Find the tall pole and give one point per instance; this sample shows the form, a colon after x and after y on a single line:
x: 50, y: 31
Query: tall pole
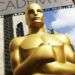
x: 8, y: 35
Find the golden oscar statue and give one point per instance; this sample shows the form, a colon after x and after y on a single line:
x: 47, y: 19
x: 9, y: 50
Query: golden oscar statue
x: 41, y: 53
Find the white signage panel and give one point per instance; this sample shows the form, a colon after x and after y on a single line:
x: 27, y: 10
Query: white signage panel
x: 16, y: 6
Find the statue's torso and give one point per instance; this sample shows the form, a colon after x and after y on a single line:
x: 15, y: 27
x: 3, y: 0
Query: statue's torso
x: 42, y: 42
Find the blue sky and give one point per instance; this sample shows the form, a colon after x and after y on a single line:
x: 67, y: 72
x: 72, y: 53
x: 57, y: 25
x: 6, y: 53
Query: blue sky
x: 62, y: 21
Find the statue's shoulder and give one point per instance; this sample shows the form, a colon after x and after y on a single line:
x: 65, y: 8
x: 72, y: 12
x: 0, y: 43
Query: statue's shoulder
x: 62, y: 37
x: 31, y: 41
x: 15, y: 42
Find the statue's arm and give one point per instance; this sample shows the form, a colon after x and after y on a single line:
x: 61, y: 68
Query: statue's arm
x: 31, y: 62
x: 14, y: 54
x: 20, y: 67
x: 35, y: 59
x: 26, y: 67
x: 57, y: 67
x: 69, y: 50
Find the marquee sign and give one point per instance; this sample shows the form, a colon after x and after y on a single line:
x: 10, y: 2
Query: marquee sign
x: 16, y: 6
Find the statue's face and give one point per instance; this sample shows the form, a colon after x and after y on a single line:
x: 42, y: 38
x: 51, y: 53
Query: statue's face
x: 35, y: 13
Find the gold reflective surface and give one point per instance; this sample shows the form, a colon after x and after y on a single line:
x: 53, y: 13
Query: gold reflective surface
x: 41, y: 53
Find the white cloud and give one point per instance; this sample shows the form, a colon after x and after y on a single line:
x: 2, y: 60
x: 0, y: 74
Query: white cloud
x: 64, y: 17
